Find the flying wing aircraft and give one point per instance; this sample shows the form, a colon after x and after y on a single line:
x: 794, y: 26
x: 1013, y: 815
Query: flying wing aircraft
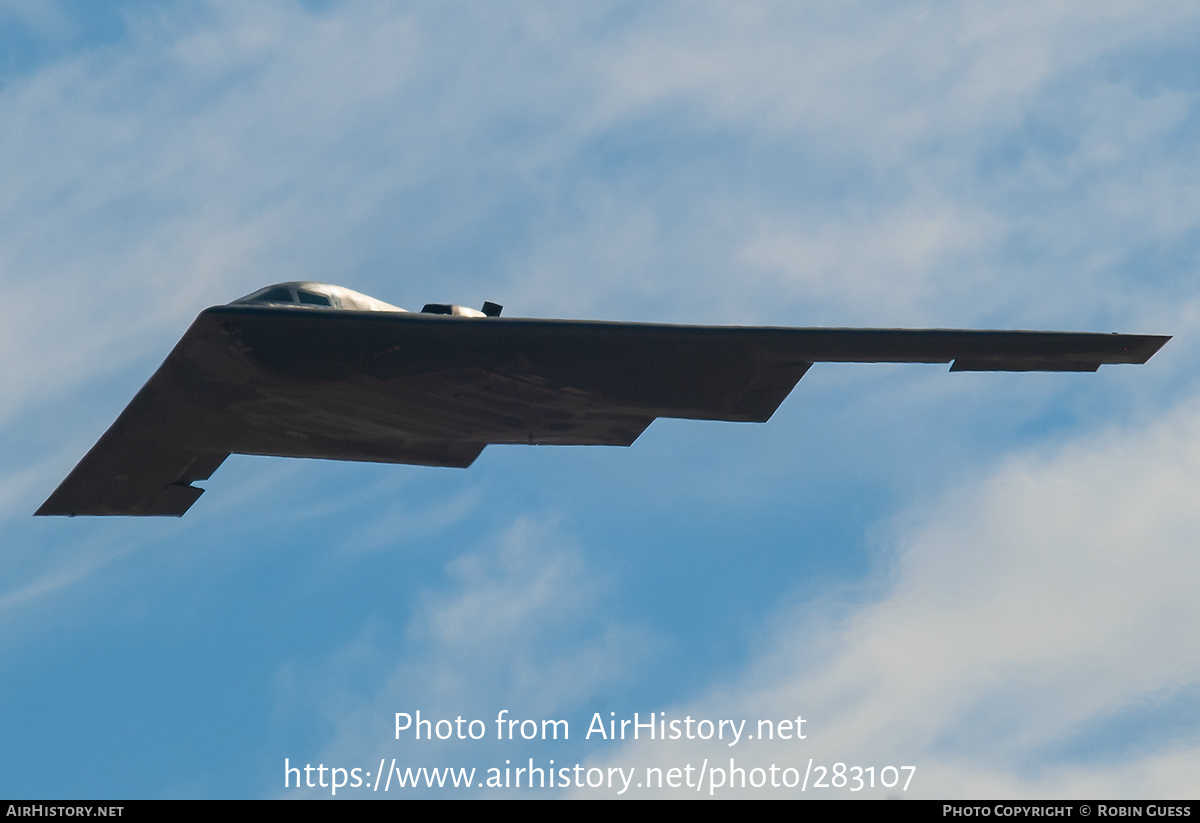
x: 313, y: 370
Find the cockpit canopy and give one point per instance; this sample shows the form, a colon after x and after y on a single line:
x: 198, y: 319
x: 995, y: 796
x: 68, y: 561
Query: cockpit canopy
x: 315, y: 295
x: 282, y: 294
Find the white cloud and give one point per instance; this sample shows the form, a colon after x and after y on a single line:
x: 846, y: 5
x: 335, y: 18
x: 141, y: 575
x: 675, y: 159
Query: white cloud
x: 520, y: 624
x: 1018, y: 618
x: 881, y: 78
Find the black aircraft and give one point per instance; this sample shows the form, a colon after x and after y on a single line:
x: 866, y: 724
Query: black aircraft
x: 312, y: 370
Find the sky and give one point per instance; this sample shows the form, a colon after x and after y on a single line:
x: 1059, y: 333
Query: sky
x: 982, y: 582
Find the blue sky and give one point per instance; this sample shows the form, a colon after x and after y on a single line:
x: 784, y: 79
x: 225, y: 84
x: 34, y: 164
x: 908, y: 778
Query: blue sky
x: 987, y: 576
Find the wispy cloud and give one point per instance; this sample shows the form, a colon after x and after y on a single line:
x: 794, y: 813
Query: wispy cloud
x: 519, y: 623
x: 1017, y: 618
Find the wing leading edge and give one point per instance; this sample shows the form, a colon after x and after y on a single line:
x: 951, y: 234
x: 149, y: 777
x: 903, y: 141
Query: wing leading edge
x: 434, y: 390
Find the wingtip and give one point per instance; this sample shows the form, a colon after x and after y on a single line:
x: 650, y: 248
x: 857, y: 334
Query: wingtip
x: 1148, y: 345
x: 173, y: 501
